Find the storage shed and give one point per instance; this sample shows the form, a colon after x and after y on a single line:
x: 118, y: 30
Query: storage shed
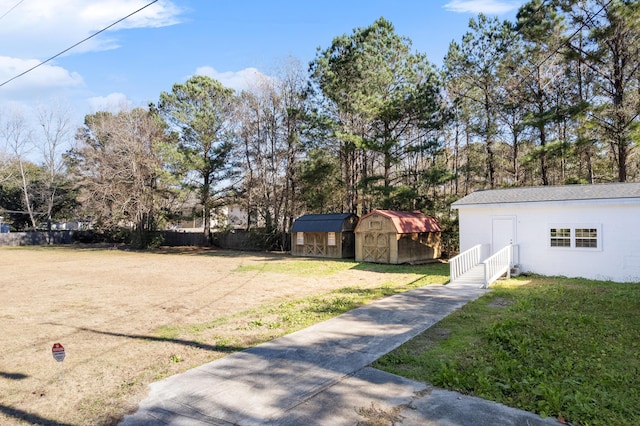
x: 588, y: 231
x: 389, y: 236
x: 324, y: 235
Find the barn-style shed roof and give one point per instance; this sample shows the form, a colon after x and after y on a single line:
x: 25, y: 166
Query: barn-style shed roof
x: 331, y: 222
x: 534, y: 194
x: 408, y: 222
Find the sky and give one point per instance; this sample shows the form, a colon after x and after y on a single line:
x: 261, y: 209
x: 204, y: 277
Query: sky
x: 167, y: 42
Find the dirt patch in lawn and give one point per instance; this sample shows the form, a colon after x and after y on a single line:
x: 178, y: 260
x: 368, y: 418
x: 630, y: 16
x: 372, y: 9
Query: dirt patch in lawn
x: 500, y: 302
x: 127, y: 319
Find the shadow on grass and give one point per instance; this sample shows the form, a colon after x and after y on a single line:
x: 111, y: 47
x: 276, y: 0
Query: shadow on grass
x: 181, y: 250
x: 13, y: 376
x: 189, y: 343
x: 27, y: 417
x: 436, y: 267
x: 431, y: 267
x: 370, y: 294
x: 218, y: 252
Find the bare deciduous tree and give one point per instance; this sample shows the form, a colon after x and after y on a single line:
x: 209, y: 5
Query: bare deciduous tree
x: 118, y: 169
x: 18, y: 139
x: 269, y: 120
x: 55, y: 124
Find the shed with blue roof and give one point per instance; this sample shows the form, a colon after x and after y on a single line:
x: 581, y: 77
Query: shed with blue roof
x: 324, y: 235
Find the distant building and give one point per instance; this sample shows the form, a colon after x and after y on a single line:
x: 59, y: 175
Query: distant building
x: 234, y: 217
x: 73, y: 225
x: 223, y: 218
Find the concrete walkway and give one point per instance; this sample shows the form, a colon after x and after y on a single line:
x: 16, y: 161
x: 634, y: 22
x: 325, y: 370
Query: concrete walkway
x: 321, y: 376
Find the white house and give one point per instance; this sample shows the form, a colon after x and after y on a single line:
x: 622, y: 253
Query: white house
x: 590, y: 231
x: 225, y: 217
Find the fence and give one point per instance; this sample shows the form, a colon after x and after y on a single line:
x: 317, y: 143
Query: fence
x: 176, y: 239
x: 234, y: 240
x: 37, y: 238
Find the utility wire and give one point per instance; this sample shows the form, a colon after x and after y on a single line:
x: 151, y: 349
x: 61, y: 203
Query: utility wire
x: 566, y: 42
x: 521, y: 80
x: 78, y: 43
x: 9, y: 11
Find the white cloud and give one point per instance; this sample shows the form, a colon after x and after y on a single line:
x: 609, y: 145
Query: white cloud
x: 238, y: 80
x: 160, y: 14
x: 113, y: 102
x: 39, y: 29
x: 42, y: 78
x: 42, y: 28
x: 487, y: 7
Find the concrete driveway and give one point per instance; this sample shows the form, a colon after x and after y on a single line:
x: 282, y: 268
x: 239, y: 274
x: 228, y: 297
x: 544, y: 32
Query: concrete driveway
x: 322, y: 376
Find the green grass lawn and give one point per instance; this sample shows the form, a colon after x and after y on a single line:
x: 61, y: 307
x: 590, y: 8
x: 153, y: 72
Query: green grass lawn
x: 566, y: 348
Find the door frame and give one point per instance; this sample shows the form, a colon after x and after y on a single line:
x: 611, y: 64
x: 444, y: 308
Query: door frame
x: 514, y: 235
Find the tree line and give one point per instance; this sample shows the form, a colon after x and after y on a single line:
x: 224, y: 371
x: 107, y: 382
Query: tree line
x: 552, y: 98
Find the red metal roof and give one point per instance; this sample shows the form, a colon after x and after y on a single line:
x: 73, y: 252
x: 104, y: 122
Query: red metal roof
x: 408, y: 222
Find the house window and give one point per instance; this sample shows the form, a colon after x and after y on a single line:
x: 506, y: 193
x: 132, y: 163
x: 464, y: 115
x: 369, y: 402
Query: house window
x: 375, y: 224
x: 587, y: 237
x: 331, y: 238
x: 560, y: 237
x: 300, y: 238
x: 575, y: 236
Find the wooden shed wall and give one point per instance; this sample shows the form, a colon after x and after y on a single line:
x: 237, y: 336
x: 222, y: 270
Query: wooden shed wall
x: 377, y: 241
x: 419, y: 247
x: 316, y: 244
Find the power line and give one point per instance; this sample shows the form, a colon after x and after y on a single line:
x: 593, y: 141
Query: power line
x: 520, y: 80
x: 9, y: 11
x: 566, y: 42
x: 78, y: 43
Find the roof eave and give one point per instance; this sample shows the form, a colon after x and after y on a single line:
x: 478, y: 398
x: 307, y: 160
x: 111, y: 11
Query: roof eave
x: 601, y: 201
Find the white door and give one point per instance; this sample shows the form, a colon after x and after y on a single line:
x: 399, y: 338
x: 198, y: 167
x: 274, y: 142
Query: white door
x: 504, y: 232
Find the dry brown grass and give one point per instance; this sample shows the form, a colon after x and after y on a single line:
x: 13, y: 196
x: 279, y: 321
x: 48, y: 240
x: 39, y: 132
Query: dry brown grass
x: 111, y: 310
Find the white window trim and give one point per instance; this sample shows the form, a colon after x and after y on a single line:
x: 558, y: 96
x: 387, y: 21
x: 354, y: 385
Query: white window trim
x: 299, y: 238
x: 573, y: 227
x: 331, y: 238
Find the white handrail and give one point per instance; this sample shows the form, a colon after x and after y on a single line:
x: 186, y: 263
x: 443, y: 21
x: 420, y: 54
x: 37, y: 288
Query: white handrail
x: 461, y: 263
x: 497, y: 265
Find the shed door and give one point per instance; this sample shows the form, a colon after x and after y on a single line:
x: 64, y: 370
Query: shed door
x: 314, y: 244
x: 504, y: 233
x: 376, y: 247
